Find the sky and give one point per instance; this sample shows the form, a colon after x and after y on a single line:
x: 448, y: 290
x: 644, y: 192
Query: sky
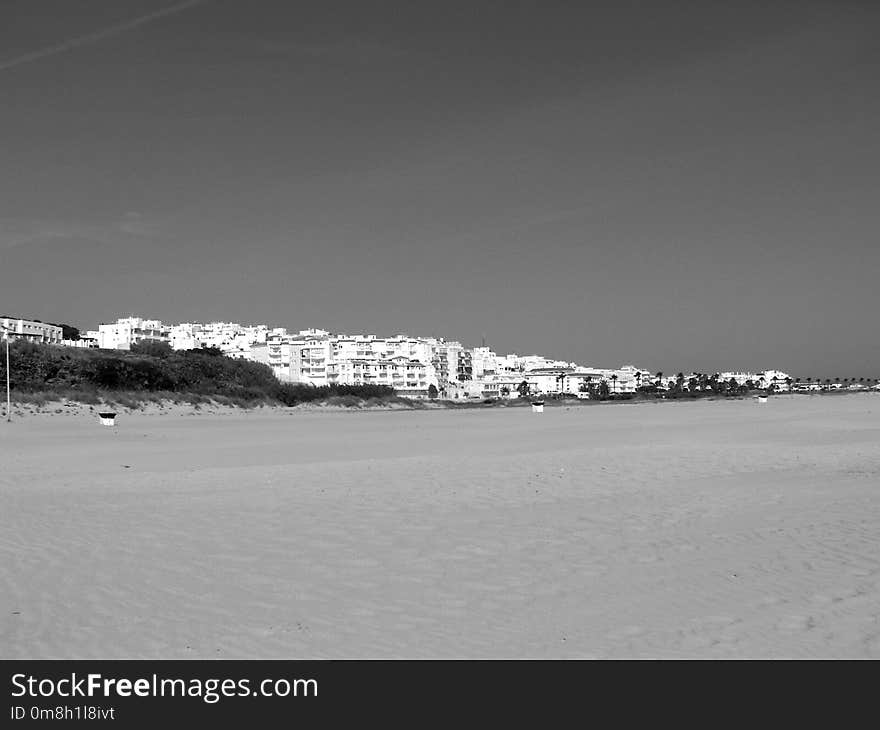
x: 673, y: 185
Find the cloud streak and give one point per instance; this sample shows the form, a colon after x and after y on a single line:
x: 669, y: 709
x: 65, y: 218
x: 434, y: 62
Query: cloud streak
x: 97, y: 35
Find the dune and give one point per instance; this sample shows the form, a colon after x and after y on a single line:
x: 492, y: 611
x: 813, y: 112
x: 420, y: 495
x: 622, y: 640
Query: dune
x: 693, y: 529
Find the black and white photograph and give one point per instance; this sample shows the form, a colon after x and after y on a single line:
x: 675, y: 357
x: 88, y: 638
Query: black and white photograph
x: 450, y: 330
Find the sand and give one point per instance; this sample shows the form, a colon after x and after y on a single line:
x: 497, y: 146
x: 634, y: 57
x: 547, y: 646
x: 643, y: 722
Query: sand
x: 692, y: 529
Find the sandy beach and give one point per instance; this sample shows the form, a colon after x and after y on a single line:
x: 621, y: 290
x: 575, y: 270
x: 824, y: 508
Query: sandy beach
x: 691, y: 529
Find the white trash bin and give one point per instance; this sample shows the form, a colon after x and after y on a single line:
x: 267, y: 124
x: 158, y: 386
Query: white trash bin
x: 107, y: 418
x: 538, y: 406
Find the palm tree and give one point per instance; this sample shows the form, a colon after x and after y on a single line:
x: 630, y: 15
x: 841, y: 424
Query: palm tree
x: 638, y: 379
x: 560, y: 381
x: 613, y: 382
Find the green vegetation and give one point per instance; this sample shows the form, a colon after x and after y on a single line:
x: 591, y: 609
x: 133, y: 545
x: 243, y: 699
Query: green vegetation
x: 154, y: 372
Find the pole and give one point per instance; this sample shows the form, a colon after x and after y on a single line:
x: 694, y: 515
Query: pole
x: 8, y: 397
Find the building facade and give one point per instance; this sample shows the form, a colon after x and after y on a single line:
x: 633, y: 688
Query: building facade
x: 124, y: 333
x: 31, y: 330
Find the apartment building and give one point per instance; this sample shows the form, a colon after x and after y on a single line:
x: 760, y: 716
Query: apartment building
x: 32, y: 330
x: 230, y: 337
x: 310, y: 359
x: 446, y: 357
x: 124, y: 333
x: 549, y: 380
x: 284, y: 353
x: 484, y: 362
x: 412, y: 378
x: 278, y: 355
x: 317, y: 358
x: 465, y: 367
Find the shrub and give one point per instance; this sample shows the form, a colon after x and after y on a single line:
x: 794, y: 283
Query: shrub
x: 346, y: 401
x: 82, y: 395
x: 126, y: 401
x: 152, y: 349
x: 152, y: 371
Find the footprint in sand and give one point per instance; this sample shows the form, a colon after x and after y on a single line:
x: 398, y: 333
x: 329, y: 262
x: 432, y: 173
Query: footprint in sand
x: 627, y: 632
x: 795, y: 623
x: 768, y: 601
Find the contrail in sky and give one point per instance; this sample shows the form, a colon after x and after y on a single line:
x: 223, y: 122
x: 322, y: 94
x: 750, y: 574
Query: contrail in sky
x: 97, y: 35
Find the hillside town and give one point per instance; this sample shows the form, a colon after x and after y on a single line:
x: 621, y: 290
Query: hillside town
x: 415, y: 367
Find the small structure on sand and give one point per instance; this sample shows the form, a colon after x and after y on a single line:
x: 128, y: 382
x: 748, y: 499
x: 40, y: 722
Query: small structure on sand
x: 108, y: 418
x: 762, y: 398
x: 538, y: 406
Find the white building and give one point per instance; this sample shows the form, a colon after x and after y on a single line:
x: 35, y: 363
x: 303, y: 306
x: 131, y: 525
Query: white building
x: 83, y: 343
x: 31, y: 329
x: 776, y: 378
x: 130, y: 331
x: 404, y: 363
x: 446, y: 359
x: 184, y: 336
x: 484, y: 362
x: 309, y: 361
x: 575, y: 381
x: 412, y: 378
x: 740, y: 376
x: 549, y: 380
x: 278, y: 355
x: 230, y: 337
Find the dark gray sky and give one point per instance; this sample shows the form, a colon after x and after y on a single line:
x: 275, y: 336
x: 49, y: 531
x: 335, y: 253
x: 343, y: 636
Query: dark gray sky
x: 673, y: 184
